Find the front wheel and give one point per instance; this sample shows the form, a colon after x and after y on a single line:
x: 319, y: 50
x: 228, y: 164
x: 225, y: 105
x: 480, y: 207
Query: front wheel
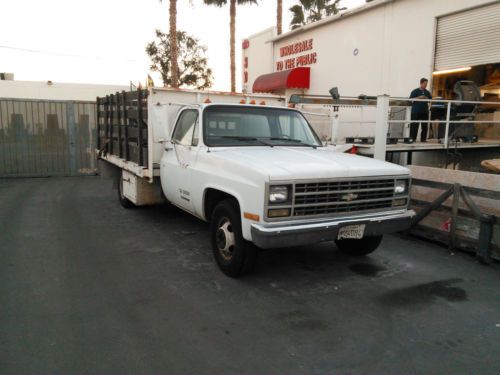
x: 234, y: 255
x: 359, y: 247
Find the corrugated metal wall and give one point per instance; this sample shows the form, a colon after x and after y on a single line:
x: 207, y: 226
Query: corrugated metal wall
x: 46, y: 138
x: 468, y: 38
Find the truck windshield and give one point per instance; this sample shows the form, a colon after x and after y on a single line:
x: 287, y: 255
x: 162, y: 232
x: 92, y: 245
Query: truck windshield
x: 256, y: 126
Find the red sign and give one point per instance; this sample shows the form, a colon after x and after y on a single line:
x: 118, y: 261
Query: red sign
x: 245, y: 44
x: 298, y: 61
x: 446, y: 225
x: 245, y: 72
x: 292, y: 49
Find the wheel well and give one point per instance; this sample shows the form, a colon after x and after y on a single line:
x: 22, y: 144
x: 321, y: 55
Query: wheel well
x: 212, y: 198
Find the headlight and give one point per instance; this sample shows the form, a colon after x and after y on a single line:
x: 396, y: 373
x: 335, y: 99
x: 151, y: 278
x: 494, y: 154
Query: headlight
x: 401, y: 186
x: 278, y: 194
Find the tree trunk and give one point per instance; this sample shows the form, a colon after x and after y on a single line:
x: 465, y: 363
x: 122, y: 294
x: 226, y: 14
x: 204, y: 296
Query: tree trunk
x: 232, y: 14
x: 174, y: 48
x: 279, y: 17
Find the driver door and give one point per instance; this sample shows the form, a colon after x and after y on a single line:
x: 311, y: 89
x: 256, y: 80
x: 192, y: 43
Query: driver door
x: 178, y: 157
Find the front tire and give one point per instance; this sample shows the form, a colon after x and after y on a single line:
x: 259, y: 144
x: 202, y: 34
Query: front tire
x: 125, y: 203
x: 234, y: 255
x: 361, y: 247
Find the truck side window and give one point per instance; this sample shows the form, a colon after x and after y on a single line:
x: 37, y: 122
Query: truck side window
x: 196, y: 135
x: 185, y: 128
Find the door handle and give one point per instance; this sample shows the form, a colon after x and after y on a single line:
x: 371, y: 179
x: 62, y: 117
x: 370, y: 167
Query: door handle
x: 168, y: 148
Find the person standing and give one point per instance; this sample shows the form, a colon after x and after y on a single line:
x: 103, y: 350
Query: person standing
x: 420, y: 111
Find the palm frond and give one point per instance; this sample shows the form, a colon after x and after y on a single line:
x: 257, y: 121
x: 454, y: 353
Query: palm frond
x: 313, y: 10
x: 218, y: 3
x: 297, y: 16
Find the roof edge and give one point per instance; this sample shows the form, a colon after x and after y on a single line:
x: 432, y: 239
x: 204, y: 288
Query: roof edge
x: 271, y: 28
x: 351, y: 12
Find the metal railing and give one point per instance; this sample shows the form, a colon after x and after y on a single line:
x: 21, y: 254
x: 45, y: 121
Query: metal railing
x: 383, y: 103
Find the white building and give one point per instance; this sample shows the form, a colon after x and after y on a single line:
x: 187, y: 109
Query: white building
x: 383, y: 47
x: 49, y: 90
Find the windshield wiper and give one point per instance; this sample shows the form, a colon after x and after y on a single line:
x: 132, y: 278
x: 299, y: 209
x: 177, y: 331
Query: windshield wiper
x: 292, y: 140
x: 242, y: 139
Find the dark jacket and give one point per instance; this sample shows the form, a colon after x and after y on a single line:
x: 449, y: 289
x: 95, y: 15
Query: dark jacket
x: 420, y: 107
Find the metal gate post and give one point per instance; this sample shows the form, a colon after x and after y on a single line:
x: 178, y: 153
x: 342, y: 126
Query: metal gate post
x: 447, y: 124
x: 485, y: 234
x: 381, y: 127
x: 335, y: 127
x: 454, y: 217
x: 70, y: 118
x: 407, y: 124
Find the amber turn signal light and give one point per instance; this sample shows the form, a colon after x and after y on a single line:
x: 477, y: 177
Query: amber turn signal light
x: 249, y: 216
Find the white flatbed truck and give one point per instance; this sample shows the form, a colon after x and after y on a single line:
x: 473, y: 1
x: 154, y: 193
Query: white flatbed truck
x: 252, y: 167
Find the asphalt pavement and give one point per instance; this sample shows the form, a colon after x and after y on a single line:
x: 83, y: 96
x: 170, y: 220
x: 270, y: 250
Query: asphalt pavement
x: 89, y: 287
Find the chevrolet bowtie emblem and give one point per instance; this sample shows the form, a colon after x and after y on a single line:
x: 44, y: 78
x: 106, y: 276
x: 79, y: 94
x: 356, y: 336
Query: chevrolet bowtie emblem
x: 349, y: 197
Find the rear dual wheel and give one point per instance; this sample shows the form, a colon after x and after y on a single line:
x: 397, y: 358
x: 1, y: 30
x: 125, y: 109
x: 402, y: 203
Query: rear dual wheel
x: 234, y: 255
x: 125, y: 203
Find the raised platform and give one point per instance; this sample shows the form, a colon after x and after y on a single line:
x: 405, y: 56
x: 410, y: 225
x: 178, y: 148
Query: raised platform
x: 430, y: 145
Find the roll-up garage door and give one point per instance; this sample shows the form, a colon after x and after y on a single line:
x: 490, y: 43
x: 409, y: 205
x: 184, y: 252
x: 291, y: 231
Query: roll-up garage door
x: 468, y: 38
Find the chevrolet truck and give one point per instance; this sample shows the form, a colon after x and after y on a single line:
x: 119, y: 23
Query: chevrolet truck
x: 252, y: 167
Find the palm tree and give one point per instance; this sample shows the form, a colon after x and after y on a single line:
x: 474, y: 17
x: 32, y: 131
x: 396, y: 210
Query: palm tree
x: 174, y: 49
x: 279, y: 17
x: 232, y: 30
x: 313, y: 10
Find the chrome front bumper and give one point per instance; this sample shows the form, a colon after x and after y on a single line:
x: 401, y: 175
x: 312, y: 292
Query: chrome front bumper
x: 303, y: 232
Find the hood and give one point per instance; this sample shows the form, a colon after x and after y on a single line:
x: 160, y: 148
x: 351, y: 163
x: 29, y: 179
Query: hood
x: 295, y: 163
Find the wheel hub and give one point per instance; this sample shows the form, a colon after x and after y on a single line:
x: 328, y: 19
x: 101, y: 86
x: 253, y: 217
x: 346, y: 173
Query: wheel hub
x: 224, y: 239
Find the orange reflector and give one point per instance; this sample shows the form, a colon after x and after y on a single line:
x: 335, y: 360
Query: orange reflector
x: 207, y: 100
x: 252, y: 101
x: 242, y: 101
x: 249, y: 216
x: 263, y: 102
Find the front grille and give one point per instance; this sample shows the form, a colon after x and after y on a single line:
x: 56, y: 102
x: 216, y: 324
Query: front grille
x: 340, y: 197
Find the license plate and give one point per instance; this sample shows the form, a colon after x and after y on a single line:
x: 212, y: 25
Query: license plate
x: 351, y: 232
